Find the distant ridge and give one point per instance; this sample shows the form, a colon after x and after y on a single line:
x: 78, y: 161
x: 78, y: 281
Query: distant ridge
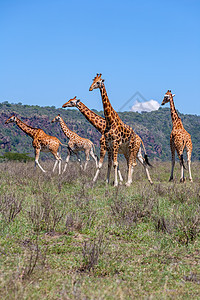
x: 153, y: 127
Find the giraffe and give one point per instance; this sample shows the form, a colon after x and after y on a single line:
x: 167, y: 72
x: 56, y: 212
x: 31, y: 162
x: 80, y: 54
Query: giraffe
x: 179, y: 139
x: 98, y: 122
x: 76, y: 144
x: 119, y: 137
x: 41, y: 142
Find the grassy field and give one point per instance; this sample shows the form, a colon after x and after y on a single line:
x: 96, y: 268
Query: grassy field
x: 63, y: 238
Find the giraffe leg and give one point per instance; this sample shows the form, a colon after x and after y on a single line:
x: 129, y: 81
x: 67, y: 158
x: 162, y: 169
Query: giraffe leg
x: 182, y: 179
x: 109, y: 166
x: 172, y: 146
x: 180, y: 155
x: 37, y: 154
x: 58, y: 161
x: 66, y: 161
x: 54, y: 167
x: 87, y: 158
x: 119, y: 174
x: 126, y: 155
x: 59, y: 166
x: 102, y: 155
x: 79, y: 160
x: 86, y: 163
x: 189, y: 169
x: 131, y: 163
x: 94, y: 156
x: 130, y: 172
x: 115, y: 162
x: 189, y: 151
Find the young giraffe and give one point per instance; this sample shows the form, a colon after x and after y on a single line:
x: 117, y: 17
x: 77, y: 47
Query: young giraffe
x: 41, y: 142
x: 76, y: 143
x: 179, y: 138
x: 98, y: 122
x: 119, y: 137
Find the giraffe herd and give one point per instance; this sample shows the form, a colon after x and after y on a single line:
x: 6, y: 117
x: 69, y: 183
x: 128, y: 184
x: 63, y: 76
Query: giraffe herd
x: 116, y: 138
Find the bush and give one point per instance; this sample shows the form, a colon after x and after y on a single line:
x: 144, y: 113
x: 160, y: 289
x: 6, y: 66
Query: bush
x: 17, y: 156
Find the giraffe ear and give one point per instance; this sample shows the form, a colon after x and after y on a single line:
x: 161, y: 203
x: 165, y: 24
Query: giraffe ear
x: 103, y: 80
x: 173, y: 95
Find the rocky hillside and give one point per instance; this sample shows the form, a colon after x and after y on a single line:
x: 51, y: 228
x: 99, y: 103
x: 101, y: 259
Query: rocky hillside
x: 153, y: 127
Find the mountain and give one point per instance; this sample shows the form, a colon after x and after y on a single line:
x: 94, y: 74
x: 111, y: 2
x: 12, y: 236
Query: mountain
x: 153, y: 127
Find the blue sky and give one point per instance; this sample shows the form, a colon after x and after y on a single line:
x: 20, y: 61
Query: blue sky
x: 52, y: 49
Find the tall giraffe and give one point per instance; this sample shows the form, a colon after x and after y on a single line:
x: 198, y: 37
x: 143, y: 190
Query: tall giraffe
x: 119, y: 137
x: 76, y: 143
x: 41, y: 142
x: 179, y: 138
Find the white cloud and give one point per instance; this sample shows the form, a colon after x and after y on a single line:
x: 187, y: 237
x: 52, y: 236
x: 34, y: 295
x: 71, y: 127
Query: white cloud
x: 145, y: 106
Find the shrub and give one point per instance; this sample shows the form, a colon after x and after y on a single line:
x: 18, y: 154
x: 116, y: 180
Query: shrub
x: 17, y: 156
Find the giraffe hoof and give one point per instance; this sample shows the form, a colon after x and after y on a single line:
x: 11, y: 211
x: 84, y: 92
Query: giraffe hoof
x: 191, y: 180
x: 127, y: 184
x: 171, y: 179
x: 182, y: 180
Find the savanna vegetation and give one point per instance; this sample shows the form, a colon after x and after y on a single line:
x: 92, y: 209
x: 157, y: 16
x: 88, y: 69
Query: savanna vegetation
x: 64, y: 238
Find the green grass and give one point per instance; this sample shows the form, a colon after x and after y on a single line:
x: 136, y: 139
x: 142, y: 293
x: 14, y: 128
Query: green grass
x: 63, y: 238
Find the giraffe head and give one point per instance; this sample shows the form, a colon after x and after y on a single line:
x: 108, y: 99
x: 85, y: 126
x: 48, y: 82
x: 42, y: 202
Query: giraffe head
x: 168, y: 96
x: 71, y: 103
x: 12, y: 119
x: 56, y: 119
x: 97, y: 82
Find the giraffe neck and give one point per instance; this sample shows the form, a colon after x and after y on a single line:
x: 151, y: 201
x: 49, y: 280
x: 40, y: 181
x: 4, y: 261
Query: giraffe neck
x: 174, y: 114
x: 65, y: 129
x: 97, y: 121
x: 26, y: 128
x: 110, y: 114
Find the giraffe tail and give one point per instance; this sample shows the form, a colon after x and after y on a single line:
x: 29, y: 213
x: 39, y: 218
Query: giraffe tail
x: 146, y: 156
x: 181, y: 156
x: 182, y: 162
